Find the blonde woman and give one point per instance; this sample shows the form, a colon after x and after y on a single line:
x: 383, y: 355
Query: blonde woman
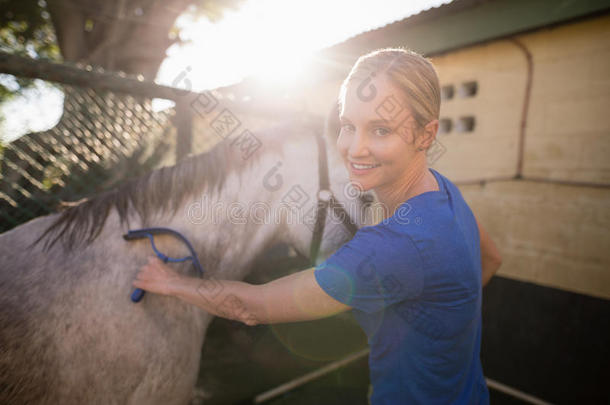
x: 414, y: 280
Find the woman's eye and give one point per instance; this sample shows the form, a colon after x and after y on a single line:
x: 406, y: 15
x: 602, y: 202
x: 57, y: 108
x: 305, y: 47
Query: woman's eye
x: 347, y: 128
x: 381, y: 131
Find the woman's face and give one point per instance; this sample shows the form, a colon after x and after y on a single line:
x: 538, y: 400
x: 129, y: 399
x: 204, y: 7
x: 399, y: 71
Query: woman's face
x: 377, y: 137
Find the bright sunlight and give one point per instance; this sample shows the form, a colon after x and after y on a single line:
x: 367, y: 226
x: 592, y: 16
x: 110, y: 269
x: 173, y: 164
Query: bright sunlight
x: 273, y: 39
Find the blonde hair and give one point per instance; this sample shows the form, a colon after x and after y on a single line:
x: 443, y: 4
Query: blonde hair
x: 410, y: 72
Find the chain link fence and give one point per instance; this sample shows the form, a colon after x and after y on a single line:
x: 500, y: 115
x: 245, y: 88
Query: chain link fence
x: 108, y: 131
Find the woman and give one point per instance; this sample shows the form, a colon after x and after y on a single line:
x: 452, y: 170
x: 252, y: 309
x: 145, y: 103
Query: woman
x: 414, y: 280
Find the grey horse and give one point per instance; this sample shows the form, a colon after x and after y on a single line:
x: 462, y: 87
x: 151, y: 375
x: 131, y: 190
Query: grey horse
x: 69, y: 332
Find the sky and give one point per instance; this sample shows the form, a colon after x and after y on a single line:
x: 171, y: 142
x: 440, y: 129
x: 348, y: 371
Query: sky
x: 270, y: 39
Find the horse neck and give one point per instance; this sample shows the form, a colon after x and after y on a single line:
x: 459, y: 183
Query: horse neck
x: 303, y: 174
x: 230, y: 226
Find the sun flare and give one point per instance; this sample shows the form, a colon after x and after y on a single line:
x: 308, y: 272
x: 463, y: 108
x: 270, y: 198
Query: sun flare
x: 272, y: 40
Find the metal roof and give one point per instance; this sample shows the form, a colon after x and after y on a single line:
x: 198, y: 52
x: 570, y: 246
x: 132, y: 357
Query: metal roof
x: 463, y: 23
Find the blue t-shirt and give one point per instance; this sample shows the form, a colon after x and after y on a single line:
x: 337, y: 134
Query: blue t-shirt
x: 414, y: 283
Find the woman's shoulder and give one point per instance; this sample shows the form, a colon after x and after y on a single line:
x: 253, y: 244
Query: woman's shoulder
x: 387, y: 236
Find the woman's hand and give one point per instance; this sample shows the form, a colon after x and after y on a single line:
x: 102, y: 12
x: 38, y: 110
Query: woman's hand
x: 157, y: 277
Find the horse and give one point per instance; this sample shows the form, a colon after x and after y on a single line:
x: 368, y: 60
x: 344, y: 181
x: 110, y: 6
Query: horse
x: 69, y: 332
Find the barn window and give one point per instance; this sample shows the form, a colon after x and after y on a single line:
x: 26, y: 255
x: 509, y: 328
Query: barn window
x: 444, y: 126
x: 468, y: 89
x: 465, y: 124
x: 447, y: 92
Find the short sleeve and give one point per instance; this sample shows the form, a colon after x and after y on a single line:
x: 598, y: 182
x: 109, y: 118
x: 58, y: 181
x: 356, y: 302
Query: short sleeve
x: 377, y: 268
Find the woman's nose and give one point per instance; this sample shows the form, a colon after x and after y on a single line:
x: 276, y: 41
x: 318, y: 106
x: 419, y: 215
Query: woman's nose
x: 358, y: 145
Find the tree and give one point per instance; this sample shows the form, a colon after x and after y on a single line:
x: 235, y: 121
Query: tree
x: 118, y: 35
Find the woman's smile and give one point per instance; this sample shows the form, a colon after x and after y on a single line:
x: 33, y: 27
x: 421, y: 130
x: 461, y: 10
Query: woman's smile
x: 358, y: 169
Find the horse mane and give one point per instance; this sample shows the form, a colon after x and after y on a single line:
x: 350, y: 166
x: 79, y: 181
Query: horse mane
x: 161, y: 190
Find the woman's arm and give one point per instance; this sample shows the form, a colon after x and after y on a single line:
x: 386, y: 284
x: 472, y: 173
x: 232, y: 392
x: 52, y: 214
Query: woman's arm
x: 490, y: 256
x: 296, y: 297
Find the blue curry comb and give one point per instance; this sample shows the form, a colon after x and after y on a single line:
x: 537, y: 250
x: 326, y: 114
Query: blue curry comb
x: 138, y: 293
